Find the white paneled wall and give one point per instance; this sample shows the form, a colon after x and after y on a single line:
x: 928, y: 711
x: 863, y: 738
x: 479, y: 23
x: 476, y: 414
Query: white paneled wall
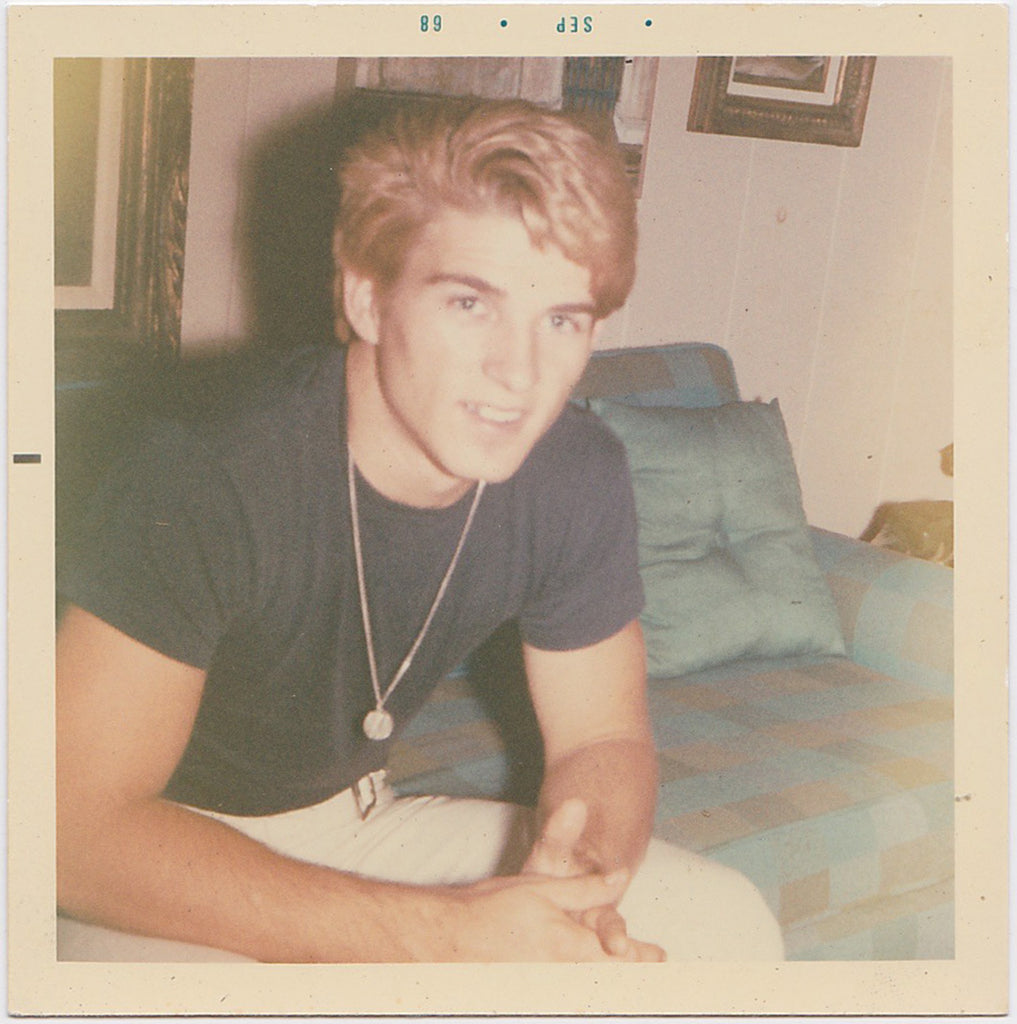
x: 826, y: 272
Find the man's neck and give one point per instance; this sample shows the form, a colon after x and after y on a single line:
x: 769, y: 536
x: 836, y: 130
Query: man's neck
x: 386, y: 456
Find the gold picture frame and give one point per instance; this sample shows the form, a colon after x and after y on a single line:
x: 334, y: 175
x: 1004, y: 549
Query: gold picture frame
x: 797, y: 99
x: 141, y: 320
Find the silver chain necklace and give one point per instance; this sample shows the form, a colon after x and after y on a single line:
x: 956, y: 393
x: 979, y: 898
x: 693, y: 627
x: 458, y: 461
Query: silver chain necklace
x: 378, y: 723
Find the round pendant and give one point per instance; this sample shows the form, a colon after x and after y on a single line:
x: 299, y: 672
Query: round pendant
x: 378, y: 724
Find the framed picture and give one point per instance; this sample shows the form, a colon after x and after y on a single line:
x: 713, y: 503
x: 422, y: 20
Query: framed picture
x: 798, y: 99
x: 88, y: 119
x: 121, y: 144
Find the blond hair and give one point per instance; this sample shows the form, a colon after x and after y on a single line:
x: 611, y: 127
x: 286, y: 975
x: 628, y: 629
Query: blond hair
x: 567, y: 186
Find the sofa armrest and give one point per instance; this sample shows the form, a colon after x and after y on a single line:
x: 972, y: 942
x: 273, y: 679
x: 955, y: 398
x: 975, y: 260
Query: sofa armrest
x: 896, y: 611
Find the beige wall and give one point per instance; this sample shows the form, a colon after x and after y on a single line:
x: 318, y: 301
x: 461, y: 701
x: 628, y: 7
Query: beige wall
x: 826, y: 272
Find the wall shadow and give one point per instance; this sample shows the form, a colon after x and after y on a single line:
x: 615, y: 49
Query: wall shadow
x: 289, y: 199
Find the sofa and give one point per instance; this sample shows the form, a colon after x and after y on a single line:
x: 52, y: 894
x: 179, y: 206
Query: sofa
x: 814, y: 755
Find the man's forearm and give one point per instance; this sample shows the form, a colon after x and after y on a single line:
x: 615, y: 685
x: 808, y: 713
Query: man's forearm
x: 157, y: 868
x: 617, y: 779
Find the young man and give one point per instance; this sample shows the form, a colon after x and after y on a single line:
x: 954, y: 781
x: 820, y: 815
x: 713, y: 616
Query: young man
x: 264, y: 598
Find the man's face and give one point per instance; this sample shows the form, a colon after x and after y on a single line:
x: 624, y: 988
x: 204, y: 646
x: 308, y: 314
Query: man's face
x: 477, y: 345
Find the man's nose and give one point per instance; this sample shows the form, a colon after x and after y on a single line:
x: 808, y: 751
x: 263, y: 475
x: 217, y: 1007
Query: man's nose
x: 512, y: 358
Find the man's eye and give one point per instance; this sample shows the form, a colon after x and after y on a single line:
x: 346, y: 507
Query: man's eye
x: 466, y: 303
x: 566, y: 323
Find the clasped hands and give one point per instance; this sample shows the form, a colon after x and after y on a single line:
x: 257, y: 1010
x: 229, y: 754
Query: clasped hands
x: 574, y: 913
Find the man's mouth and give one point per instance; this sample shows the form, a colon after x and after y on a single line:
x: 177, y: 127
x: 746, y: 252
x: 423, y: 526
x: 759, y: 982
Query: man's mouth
x: 492, y: 414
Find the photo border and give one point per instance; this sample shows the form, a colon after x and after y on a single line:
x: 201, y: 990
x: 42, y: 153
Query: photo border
x: 975, y: 980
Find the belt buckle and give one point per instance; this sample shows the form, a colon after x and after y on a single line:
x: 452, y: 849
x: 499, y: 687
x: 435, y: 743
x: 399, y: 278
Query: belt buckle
x: 365, y: 793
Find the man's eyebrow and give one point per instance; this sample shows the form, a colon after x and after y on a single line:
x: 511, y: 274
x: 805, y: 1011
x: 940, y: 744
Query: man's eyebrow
x: 467, y: 280
x: 575, y: 307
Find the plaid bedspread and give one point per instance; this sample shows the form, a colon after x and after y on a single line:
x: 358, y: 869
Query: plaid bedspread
x: 827, y: 781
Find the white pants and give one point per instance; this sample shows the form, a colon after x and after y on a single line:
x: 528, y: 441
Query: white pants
x: 693, y: 908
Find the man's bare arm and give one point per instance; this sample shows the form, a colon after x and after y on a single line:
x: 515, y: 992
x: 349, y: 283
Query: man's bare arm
x: 591, y: 706
x: 129, y: 859
x: 600, y: 785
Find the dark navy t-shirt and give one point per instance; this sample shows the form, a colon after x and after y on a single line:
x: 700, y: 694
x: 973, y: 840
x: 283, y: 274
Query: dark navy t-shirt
x: 223, y: 541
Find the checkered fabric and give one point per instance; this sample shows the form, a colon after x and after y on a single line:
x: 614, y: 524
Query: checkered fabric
x: 692, y: 375
x: 829, y: 785
x: 896, y: 612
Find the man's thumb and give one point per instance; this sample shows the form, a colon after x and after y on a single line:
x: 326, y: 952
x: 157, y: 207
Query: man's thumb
x: 565, y: 824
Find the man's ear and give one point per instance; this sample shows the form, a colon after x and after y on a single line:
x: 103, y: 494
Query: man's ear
x: 360, y: 304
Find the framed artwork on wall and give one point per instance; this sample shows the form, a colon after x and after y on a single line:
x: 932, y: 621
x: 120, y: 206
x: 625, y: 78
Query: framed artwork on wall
x: 88, y: 120
x: 819, y: 99
x: 121, y: 147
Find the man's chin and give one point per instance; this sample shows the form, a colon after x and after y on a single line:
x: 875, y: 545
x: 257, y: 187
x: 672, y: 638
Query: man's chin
x: 492, y: 463
x: 493, y: 471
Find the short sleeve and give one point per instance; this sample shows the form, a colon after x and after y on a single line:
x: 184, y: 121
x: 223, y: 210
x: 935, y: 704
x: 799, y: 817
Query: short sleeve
x: 162, y: 551
x: 590, y: 586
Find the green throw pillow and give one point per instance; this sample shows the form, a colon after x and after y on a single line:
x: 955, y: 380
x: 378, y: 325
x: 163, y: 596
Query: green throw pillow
x: 724, y: 548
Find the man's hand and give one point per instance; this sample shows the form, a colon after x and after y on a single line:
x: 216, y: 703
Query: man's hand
x: 526, y: 918
x: 557, y: 853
